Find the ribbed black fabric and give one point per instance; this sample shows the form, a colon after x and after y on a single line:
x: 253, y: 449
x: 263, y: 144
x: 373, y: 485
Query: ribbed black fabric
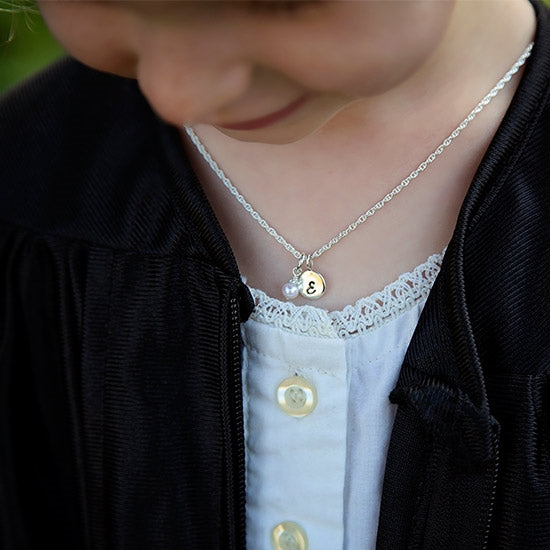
x: 119, y: 325
x: 120, y: 404
x: 469, y: 462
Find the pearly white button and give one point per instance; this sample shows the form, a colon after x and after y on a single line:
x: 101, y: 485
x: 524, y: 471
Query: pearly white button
x: 288, y: 535
x: 296, y: 396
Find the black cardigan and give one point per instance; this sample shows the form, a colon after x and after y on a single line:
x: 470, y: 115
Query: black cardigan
x: 120, y: 309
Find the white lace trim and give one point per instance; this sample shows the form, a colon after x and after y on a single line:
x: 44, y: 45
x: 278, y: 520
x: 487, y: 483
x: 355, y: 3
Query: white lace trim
x: 365, y: 315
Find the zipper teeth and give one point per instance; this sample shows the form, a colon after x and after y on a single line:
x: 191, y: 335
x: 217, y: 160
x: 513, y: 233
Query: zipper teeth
x: 239, y: 465
x: 492, y: 498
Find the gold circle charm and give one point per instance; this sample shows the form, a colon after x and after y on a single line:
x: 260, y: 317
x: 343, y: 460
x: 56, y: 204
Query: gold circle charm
x: 312, y: 285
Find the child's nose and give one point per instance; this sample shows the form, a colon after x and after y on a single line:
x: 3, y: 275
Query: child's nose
x: 192, y: 91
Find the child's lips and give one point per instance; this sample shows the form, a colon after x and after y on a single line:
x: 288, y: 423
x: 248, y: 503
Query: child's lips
x: 267, y: 120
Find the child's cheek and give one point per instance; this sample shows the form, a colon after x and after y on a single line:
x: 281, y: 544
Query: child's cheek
x: 100, y: 35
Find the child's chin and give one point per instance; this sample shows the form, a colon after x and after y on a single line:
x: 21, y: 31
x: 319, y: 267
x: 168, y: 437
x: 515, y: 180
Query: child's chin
x: 271, y: 136
x: 311, y: 118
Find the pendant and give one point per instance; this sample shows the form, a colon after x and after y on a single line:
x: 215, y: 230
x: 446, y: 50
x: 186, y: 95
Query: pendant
x: 309, y: 283
x: 313, y: 285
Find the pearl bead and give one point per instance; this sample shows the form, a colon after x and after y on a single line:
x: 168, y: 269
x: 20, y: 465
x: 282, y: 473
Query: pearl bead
x: 290, y: 290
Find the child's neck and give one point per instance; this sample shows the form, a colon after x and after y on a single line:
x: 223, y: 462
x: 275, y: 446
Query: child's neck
x: 312, y: 189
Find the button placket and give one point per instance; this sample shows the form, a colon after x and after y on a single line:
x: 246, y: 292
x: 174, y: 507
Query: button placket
x: 295, y: 395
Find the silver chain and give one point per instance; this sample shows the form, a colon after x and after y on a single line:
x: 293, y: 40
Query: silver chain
x: 371, y: 211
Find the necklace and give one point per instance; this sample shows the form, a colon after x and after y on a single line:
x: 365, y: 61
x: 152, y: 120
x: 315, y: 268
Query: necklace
x: 305, y: 281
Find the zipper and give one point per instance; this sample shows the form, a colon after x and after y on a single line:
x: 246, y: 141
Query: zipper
x: 492, y: 496
x: 457, y: 288
x: 234, y: 429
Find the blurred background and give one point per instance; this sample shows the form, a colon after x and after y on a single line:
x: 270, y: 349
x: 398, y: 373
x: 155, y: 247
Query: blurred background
x: 25, y: 45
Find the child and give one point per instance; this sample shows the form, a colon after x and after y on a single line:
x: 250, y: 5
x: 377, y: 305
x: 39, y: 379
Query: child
x: 208, y: 161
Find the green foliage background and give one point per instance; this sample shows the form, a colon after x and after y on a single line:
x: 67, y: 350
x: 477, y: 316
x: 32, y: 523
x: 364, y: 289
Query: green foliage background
x: 25, y: 46
x: 25, y: 43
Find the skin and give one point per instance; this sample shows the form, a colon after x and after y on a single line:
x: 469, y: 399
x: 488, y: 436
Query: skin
x: 384, y: 83
x: 248, y: 59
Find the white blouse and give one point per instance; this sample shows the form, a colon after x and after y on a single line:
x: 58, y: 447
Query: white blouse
x: 317, y: 414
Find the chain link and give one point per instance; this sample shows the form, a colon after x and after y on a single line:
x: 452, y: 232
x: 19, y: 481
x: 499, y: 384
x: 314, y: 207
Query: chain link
x: 382, y: 202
